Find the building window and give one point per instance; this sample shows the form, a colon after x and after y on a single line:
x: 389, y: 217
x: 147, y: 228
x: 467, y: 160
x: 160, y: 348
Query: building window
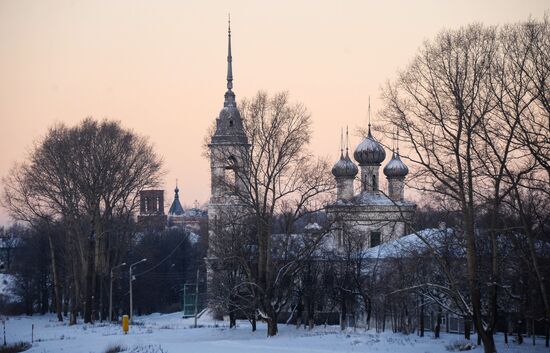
x: 374, y: 239
x: 374, y: 183
x: 230, y: 178
x: 230, y: 123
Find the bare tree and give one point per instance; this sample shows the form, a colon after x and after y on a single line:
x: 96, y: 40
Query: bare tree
x: 89, y: 177
x: 439, y: 102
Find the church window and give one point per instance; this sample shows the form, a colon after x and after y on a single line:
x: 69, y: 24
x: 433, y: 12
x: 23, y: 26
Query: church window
x: 230, y: 177
x: 374, y: 239
x: 231, y: 123
x: 374, y: 183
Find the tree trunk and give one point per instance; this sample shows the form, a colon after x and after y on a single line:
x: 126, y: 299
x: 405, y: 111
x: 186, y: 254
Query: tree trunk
x: 232, y: 319
x: 272, y: 328
x: 55, y: 278
x: 438, y: 323
x: 467, y: 328
x: 89, y: 292
x: 421, y: 324
x: 518, y: 331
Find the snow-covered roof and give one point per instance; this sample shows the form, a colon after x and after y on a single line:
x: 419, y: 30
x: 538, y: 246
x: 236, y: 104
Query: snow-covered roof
x: 408, y: 243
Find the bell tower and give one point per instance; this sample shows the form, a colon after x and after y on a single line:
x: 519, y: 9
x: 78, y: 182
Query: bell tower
x: 228, y: 153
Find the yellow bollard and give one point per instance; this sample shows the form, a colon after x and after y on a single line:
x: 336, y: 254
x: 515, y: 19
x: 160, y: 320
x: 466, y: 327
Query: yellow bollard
x: 125, y: 324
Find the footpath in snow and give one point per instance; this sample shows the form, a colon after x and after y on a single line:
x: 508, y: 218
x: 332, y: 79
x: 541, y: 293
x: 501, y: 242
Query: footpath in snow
x: 171, y: 334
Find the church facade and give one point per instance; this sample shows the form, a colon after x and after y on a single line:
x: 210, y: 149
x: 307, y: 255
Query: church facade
x: 378, y: 215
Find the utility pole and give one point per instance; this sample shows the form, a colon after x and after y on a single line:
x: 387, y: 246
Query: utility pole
x: 111, y: 291
x: 196, y: 297
x: 131, y: 279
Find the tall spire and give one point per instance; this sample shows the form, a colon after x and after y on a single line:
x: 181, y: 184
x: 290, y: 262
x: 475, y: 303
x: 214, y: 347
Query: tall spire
x: 176, y: 190
x: 229, y: 95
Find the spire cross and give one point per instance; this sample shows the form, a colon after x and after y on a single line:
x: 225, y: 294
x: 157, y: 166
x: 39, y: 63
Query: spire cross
x: 393, y: 140
x: 176, y: 190
x: 341, y: 142
x: 347, y: 140
x: 369, y: 115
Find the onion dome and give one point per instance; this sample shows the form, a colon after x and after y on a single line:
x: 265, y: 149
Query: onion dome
x: 344, y: 168
x: 369, y: 151
x: 396, y: 168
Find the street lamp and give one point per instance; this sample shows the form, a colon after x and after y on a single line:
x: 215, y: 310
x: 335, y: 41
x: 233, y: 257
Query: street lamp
x: 111, y: 291
x: 131, y: 279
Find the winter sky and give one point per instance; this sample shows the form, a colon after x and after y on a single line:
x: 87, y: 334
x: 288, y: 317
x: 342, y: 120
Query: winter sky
x: 159, y: 66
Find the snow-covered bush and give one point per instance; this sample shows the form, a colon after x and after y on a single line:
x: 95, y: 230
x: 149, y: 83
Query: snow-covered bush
x: 460, y: 346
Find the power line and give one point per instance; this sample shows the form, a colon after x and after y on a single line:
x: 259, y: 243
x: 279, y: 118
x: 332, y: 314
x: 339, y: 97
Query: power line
x: 162, y: 261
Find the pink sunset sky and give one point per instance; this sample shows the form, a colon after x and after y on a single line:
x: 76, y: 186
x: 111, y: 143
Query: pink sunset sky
x: 159, y: 66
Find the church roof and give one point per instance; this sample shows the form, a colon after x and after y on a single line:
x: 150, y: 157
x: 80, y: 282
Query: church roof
x: 369, y: 151
x: 396, y: 168
x: 344, y: 168
x: 176, y: 209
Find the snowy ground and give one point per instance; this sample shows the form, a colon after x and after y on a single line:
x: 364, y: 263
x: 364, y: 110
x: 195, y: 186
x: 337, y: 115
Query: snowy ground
x: 170, y: 334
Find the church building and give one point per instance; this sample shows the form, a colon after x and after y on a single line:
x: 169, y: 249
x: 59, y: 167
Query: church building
x: 382, y: 216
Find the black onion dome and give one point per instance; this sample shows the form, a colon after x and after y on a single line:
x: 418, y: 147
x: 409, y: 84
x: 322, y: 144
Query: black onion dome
x: 369, y: 151
x: 396, y: 168
x: 344, y: 168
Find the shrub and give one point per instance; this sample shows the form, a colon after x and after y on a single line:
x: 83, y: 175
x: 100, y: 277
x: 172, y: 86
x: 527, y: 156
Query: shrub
x: 115, y: 348
x: 15, y: 347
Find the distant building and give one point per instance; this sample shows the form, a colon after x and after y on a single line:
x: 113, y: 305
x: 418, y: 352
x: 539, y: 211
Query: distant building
x: 151, y: 210
x: 193, y: 219
x: 152, y: 217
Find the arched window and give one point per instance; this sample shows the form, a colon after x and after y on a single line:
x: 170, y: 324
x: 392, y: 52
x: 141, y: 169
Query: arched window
x: 374, y: 188
x: 231, y: 172
x: 231, y: 123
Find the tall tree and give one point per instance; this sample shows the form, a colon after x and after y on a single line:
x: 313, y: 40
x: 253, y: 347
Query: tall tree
x: 88, y: 176
x: 439, y: 102
x: 277, y: 176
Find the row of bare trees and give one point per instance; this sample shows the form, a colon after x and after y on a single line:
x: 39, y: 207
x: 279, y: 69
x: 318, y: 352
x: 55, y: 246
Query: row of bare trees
x: 473, y: 109
x: 79, y: 188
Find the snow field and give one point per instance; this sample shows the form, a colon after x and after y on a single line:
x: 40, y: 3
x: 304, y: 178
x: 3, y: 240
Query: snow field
x: 170, y: 333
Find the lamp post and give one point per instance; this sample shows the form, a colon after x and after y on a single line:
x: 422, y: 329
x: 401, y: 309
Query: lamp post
x: 131, y: 279
x: 111, y: 291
